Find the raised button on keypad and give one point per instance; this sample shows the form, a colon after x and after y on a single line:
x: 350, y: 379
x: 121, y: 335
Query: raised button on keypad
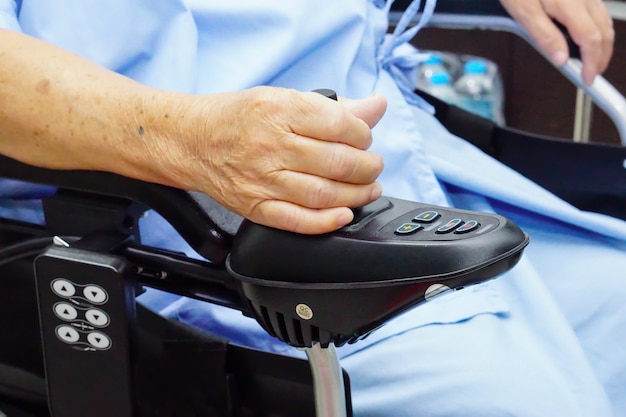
x: 427, y: 216
x: 449, y: 226
x: 408, y: 228
x: 468, y: 227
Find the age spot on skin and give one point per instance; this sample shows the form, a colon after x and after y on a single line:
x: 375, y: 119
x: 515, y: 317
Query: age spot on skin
x: 43, y: 86
x: 140, y: 130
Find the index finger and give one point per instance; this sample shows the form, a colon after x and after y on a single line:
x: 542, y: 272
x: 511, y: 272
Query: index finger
x: 588, y: 36
x: 319, y: 117
x: 600, y: 14
x: 532, y: 17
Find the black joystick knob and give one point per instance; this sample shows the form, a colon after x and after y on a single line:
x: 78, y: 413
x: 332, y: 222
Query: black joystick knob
x: 327, y: 92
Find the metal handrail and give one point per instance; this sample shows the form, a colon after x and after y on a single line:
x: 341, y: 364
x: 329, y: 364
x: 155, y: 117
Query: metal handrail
x: 601, y: 92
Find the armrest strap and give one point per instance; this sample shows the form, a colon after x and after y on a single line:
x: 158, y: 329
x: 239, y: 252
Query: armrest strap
x: 538, y: 157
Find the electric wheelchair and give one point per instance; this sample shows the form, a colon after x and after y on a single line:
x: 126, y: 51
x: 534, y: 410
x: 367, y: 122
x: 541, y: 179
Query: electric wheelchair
x: 105, y: 355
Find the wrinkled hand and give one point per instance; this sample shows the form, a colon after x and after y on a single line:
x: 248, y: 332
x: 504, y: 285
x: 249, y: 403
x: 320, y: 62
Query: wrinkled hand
x: 291, y: 160
x: 587, y: 21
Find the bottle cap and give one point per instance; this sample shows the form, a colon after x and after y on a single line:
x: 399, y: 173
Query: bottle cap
x: 475, y: 66
x: 433, y: 59
x: 440, y: 78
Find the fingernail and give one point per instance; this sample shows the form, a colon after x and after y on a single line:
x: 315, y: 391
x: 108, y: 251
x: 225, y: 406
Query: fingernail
x: 560, y: 57
x: 344, y: 218
x: 589, y: 73
x: 377, y: 191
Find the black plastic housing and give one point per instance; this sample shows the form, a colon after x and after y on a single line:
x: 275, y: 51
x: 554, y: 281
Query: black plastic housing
x: 340, y: 286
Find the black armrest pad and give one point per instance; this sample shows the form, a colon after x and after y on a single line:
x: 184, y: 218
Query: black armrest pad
x: 203, y: 223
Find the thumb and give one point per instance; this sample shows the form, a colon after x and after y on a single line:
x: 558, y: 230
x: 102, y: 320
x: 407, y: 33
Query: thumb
x: 369, y: 109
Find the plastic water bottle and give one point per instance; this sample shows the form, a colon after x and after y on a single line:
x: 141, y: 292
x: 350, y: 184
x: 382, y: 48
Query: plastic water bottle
x: 475, y: 89
x: 434, y: 64
x: 440, y: 86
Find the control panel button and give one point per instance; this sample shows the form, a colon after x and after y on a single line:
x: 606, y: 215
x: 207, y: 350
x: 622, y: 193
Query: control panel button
x: 63, y: 288
x: 449, y: 226
x: 95, y: 294
x: 408, y: 229
x: 97, y: 317
x: 468, y: 226
x: 67, y: 334
x: 65, y: 311
x: 427, y: 216
x: 99, y: 340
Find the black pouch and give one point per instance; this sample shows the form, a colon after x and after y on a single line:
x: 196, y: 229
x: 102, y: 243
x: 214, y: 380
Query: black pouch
x: 590, y: 176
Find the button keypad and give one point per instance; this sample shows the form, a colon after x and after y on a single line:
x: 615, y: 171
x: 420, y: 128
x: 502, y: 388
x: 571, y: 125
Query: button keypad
x: 439, y: 224
x: 79, y: 309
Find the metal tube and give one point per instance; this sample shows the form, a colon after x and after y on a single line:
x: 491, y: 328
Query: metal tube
x: 582, y: 118
x: 330, y: 395
x: 602, y: 93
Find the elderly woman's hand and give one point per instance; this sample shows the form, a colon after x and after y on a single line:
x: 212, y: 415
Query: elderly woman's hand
x: 291, y: 160
x: 587, y: 21
x: 287, y: 159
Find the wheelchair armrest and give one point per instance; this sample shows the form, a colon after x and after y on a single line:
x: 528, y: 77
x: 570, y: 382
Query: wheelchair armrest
x: 282, y: 274
x: 199, y: 219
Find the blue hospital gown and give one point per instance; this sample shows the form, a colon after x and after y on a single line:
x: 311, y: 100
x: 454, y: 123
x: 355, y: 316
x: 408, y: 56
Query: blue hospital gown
x: 546, y: 339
